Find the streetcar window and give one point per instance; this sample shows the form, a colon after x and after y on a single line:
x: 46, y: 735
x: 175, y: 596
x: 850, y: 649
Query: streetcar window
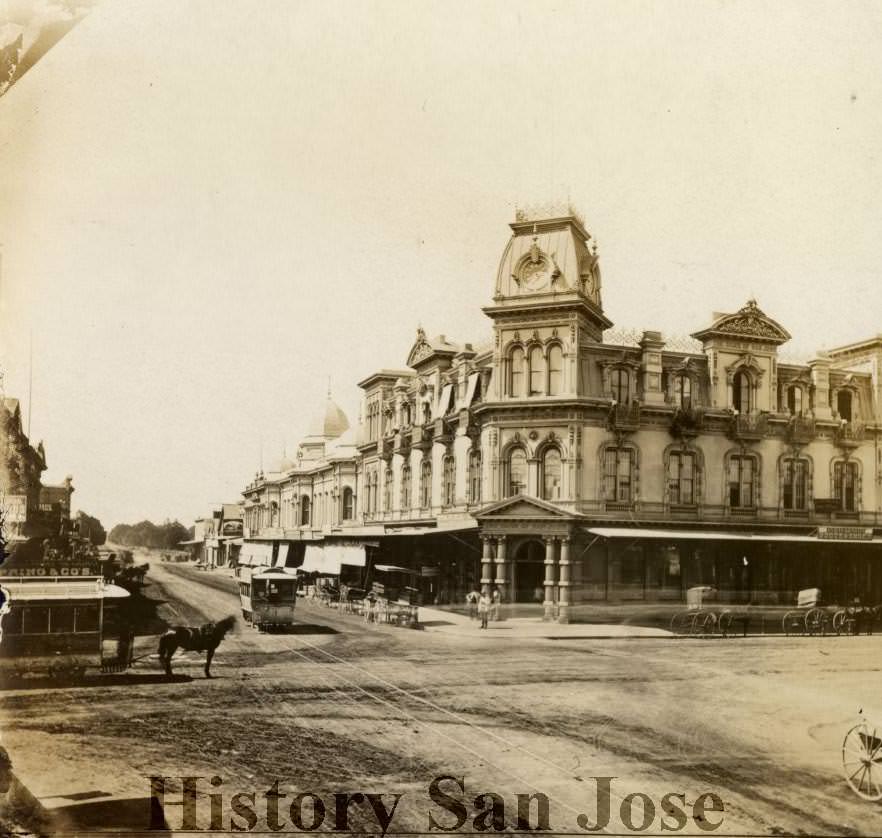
x: 61, y: 620
x: 35, y: 620
x: 87, y: 618
x: 12, y: 622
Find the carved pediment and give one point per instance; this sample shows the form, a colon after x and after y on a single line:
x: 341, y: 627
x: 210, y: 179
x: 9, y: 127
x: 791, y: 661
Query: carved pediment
x: 749, y: 322
x: 523, y: 507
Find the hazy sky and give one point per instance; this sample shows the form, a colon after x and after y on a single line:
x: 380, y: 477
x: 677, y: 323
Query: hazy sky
x: 206, y: 208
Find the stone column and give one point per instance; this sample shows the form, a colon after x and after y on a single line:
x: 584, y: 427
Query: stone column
x: 501, y: 568
x: 549, y: 578
x: 564, y: 583
x: 486, y: 565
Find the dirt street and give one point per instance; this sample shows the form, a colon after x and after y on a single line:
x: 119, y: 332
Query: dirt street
x: 340, y: 706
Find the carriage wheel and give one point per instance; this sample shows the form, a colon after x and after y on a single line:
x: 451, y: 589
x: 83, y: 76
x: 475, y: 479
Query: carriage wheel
x: 816, y: 622
x: 839, y: 619
x: 862, y: 761
x: 704, y: 622
x: 681, y: 622
x: 793, y: 623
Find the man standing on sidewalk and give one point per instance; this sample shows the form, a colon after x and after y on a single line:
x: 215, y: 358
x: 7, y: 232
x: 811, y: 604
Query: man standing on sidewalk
x: 484, y: 609
x: 472, y: 601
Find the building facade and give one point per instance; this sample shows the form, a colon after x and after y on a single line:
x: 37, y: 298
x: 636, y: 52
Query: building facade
x: 565, y: 469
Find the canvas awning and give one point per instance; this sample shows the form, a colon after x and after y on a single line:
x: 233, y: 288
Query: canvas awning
x: 282, y: 557
x: 348, y: 554
x: 315, y: 560
x: 472, y: 385
x: 255, y: 555
x: 444, y: 401
x: 712, y: 535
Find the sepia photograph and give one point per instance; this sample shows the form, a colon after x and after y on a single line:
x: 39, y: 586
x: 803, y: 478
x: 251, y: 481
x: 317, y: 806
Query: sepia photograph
x: 441, y: 418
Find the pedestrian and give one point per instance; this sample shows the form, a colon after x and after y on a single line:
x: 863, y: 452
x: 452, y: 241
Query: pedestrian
x: 472, y: 602
x: 496, y: 602
x: 484, y: 609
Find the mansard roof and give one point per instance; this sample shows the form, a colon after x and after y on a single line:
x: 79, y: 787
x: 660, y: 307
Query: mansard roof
x: 749, y: 323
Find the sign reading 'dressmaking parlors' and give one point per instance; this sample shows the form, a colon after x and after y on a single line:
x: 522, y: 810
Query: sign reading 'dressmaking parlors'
x: 846, y: 533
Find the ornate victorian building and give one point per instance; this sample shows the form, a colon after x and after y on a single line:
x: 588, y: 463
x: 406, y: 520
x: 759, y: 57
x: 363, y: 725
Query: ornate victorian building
x: 565, y: 470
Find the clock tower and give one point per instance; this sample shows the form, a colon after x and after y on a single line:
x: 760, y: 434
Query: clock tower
x: 547, y: 292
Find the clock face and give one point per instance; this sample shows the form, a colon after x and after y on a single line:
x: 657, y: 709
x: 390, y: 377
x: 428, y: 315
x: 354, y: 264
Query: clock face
x: 535, y: 276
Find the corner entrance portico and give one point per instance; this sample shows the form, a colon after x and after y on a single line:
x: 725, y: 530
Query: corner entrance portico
x: 526, y: 553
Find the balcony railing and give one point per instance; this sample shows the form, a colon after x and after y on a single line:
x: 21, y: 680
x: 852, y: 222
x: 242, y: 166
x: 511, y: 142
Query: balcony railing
x: 748, y: 426
x: 850, y: 434
x: 687, y: 422
x: 800, y: 430
x: 624, y: 417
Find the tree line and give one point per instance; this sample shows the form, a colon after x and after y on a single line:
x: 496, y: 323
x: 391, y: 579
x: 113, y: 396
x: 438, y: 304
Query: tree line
x: 147, y: 534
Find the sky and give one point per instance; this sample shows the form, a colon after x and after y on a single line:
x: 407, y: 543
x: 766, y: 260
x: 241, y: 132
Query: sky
x: 208, y: 210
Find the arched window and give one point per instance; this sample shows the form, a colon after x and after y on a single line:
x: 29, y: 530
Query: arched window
x: 845, y: 405
x: 683, y: 391
x: 620, y: 383
x: 405, y: 487
x: 845, y: 485
x: 794, y: 484
x: 681, y: 478
x: 741, y: 392
x: 794, y: 400
x: 449, y: 480
x: 348, y: 504
x: 618, y: 474
x: 475, y: 476
x: 551, y: 474
x: 387, y: 490
x: 555, y: 370
x: 374, y: 500
x: 425, y: 484
x: 304, y: 511
x: 516, y: 372
x: 537, y: 372
x: 741, y: 480
x: 516, y: 473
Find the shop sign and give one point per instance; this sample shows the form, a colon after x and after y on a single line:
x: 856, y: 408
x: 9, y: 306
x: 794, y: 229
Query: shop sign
x: 51, y: 570
x: 846, y: 533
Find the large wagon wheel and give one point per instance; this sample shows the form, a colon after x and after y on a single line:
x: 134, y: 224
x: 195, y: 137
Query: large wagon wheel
x: 816, y: 621
x: 681, y: 621
x: 862, y: 761
x: 793, y: 623
x: 839, y: 621
x: 704, y: 622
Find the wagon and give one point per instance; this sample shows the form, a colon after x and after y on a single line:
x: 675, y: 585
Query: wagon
x: 808, y: 618
x: 696, y: 619
x: 862, y: 760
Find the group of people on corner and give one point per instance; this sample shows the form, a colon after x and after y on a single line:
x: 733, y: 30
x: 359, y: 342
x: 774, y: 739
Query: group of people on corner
x: 484, y: 606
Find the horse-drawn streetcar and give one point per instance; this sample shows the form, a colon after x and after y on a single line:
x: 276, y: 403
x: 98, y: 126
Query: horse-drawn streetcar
x: 268, y: 597
x: 62, y: 626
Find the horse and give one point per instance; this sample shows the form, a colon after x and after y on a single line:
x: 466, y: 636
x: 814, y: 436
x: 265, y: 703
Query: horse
x: 194, y: 639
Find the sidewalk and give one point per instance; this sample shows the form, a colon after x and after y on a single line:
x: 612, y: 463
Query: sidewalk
x: 450, y: 622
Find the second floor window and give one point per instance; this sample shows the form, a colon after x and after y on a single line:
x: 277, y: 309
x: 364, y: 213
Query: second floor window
x: 845, y: 405
x: 620, y: 382
x: 794, y: 400
x: 516, y: 473
x: 683, y: 391
x: 516, y: 373
x: 555, y: 370
x: 387, y: 490
x: 795, y: 481
x: 475, y: 476
x: 405, y: 487
x: 425, y: 485
x: 449, y: 480
x: 618, y: 471
x: 348, y: 504
x: 741, y: 393
x: 551, y: 474
x: 845, y: 484
x: 681, y: 478
x: 741, y: 479
x: 304, y: 511
x: 537, y: 372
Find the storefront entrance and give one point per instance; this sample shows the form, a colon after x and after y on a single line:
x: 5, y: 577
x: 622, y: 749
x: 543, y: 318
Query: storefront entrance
x: 529, y: 572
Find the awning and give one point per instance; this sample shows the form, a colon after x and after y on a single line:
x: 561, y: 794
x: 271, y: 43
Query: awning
x: 316, y: 560
x: 282, y: 557
x: 348, y: 554
x: 191, y: 541
x: 393, y: 568
x: 444, y: 401
x: 471, y: 386
x: 711, y: 535
x: 256, y: 555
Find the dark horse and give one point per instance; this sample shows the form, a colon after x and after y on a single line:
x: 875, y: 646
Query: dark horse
x: 192, y: 639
